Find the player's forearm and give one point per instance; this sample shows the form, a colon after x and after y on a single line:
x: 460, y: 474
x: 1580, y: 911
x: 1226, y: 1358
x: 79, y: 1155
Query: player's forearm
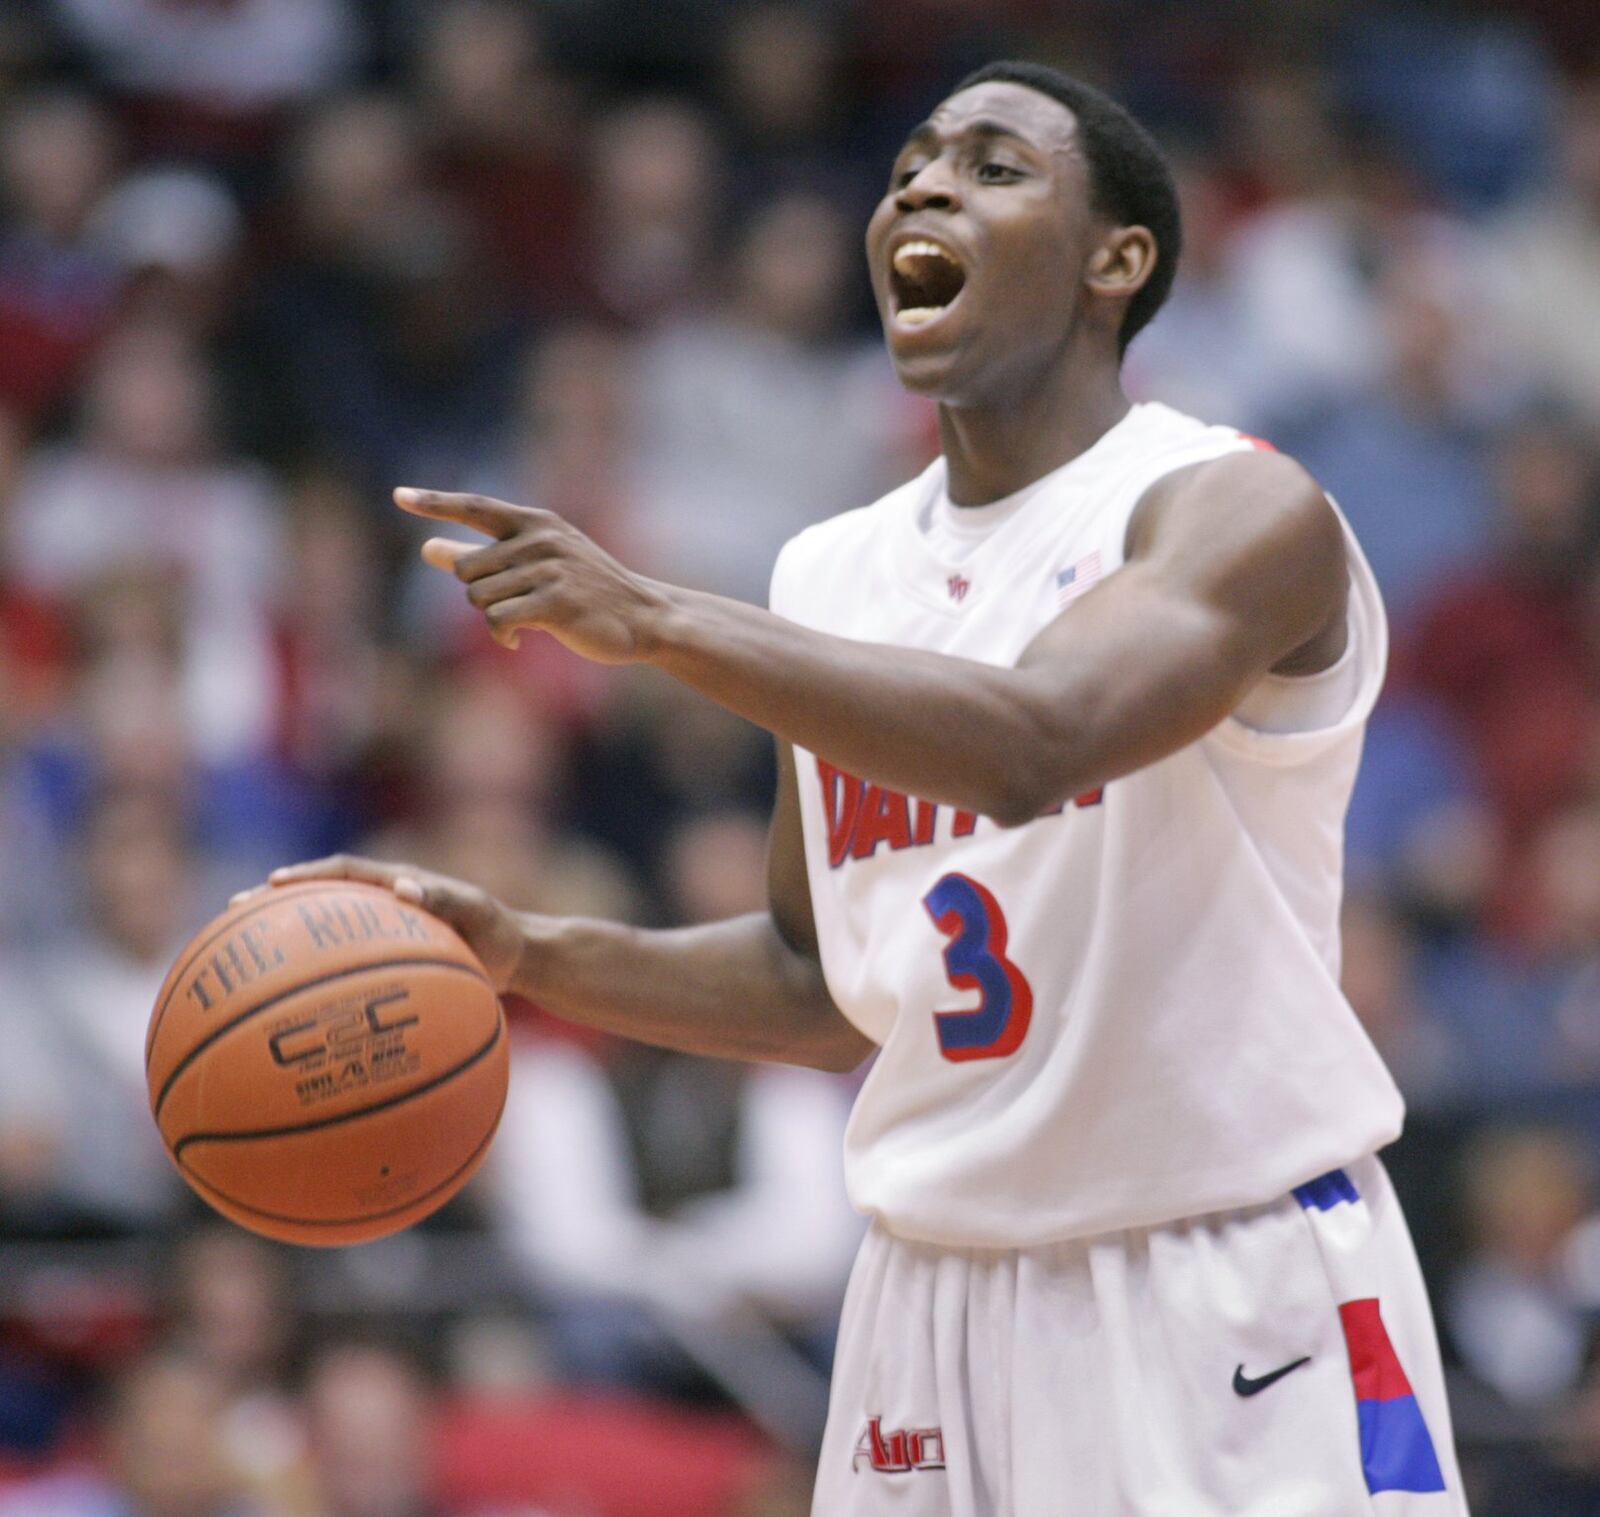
x: 729, y: 989
x: 947, y: 729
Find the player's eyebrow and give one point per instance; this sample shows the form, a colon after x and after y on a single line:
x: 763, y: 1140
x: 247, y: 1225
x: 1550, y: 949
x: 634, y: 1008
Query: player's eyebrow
x: 983, y: 127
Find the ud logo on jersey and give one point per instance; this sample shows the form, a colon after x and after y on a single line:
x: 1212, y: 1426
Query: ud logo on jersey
x: 958, y: 585
x: 900, y: 1452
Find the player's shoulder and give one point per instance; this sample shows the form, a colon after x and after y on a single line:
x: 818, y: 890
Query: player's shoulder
x: 825, y: 545
x: 1185, y: 457
x: 1238, y: 496
x: 1162, y: 429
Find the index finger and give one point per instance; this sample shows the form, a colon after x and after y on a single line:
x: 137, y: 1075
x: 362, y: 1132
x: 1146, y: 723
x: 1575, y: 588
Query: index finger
x: 494, y: 518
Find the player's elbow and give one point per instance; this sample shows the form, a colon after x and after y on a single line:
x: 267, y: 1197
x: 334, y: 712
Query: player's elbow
x: 1030, y: 772
x: 1024, y: 787
x: 1016, y: 805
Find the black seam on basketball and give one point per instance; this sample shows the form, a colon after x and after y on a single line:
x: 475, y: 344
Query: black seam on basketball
x: 284, y: 995
x: 444, y: 1077
x: 271, y: 1216
x: 279, y: 893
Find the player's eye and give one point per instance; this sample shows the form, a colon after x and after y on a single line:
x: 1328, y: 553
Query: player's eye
x: 905, y: 175
x: 992, y: 172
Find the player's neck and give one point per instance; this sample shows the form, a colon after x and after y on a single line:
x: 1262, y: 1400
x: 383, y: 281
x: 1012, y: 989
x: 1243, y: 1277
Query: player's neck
x: 993, y: 450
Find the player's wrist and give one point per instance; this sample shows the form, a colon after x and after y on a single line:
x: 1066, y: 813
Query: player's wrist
x: 535, y: 972
x: 664, y: 624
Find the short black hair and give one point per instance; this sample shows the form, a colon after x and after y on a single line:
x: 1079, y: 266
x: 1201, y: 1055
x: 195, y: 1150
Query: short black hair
x: 1130, y: 179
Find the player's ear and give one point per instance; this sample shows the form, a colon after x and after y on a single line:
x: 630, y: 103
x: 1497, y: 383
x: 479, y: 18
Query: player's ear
x: 1123, y: 262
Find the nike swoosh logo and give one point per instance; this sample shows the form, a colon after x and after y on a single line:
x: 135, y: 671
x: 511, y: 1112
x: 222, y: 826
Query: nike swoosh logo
x: 1246, y: 1387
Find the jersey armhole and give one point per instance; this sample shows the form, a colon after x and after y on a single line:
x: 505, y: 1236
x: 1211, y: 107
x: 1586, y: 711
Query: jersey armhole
x: 1367, y: 645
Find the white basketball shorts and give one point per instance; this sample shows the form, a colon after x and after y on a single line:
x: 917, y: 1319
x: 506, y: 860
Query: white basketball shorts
x: 1274, y: 1362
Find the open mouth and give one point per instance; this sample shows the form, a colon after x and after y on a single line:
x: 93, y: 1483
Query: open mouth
x: 924, y: 279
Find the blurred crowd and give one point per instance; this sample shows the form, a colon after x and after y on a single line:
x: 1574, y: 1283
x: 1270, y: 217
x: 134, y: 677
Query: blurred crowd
x: 261, y: 261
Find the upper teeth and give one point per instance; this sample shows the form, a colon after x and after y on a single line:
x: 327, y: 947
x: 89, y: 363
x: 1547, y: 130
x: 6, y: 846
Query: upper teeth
x: 907, y: 251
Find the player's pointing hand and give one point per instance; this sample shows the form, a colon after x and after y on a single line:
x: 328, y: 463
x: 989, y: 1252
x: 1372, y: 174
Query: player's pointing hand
x: 541, y: 572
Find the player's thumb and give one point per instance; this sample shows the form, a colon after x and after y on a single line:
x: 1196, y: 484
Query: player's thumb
x: 443, y: 552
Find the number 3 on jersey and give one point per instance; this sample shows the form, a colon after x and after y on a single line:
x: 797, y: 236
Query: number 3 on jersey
x: 975, y: 959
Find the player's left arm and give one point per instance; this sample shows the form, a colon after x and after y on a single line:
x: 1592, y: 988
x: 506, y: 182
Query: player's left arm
x: 1234, y: 568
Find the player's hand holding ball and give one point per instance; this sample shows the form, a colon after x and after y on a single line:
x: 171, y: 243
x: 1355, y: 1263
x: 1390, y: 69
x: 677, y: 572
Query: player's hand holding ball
x: 543, y: 573
x: 327, y: 1060
x: 488, y: 928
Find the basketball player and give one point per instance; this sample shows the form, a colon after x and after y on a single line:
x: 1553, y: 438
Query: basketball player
x: 1068, y: 725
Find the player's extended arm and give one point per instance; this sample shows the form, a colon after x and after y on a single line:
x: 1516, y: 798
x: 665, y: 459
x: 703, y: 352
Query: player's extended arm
x: 1235, y: 568
x: 748, y: 988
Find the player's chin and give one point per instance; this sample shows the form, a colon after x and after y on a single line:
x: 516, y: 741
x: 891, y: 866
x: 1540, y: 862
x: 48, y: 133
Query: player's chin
x: 924, y: 367
x: 935, y: 375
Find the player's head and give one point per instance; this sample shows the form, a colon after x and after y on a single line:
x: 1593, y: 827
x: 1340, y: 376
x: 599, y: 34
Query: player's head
x: 1027, y: 212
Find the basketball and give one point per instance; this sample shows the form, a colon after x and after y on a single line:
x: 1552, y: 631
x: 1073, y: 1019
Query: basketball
x: 326, y: 1064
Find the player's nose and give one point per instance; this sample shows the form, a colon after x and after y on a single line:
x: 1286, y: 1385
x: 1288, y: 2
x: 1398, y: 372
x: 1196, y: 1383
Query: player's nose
x: 932, y: 188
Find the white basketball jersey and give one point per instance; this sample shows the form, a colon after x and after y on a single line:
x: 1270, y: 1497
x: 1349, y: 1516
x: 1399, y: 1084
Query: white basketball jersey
x: 1120, y: 1014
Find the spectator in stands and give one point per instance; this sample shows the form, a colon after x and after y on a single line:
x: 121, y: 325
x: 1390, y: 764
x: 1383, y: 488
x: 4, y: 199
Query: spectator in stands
x: 160, y: 1454
x: 212, y: 79
x: 386, y: 350
x: 351, y: 171
x: 232, y: 1306
x: 486, y: 773
x: 568, y: 449
x: 232, y: 1310
x: 32, y: 898
x: 1195, y: 358
x: 1547, y: 264
x: 1568, y: 1483
x: 1406, y: 456
x: 1512, y: 1309
x: 1308, y: 327
x: 147, y: 485
x: 1469, y: 93
x: 572, y: 434
x: 658, y: 755
x: 655, y: 177
x: 367, y: 1411
x: 504, y: 136
x: 1501, y: 644
x: 124, y: 729
x: 1379, y: 976
x: 1566, y: 889
x: 74, y: 1070
x: 176, y: 234
x: 1487, y: 996
x: 731, y: 405
x: 58, y: 288
x: 1418, y: 821
x: 338, y: 694
x: 787, y: 117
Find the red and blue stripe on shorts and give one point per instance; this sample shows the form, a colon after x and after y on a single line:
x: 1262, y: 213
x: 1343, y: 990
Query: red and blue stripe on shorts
x: 1397, y: 1452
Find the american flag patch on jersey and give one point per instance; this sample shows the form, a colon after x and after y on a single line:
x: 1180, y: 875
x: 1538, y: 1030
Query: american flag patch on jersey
x: 1072, y: 581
